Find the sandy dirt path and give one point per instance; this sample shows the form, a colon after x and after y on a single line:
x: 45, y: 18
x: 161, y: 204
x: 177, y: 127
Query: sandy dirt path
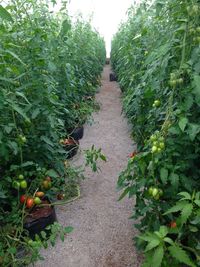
x: 103, y: 232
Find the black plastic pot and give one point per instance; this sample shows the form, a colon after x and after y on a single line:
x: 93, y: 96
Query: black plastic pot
x: 35, y: 226
x: 72, y: 149
x: 113, y: 77
x: 107, y: 61
x: 77, y: 133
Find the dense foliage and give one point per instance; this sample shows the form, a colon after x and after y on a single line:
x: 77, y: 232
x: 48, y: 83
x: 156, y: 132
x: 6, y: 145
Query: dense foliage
x: 156, y: 56
x: 49, y: 73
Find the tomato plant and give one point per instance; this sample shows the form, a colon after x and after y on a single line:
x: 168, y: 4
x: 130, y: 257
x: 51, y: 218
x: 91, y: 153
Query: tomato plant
x: 155, y: 55
x: 49, y: 74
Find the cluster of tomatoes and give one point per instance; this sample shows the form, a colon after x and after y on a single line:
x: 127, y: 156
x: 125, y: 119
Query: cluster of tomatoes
x: 31, y: 201
x: 157, y: 142
x: 193, y: 10
x: 155, y: 192
x: 156, y: 104
x: 20, y: 182
x: 175, y: 79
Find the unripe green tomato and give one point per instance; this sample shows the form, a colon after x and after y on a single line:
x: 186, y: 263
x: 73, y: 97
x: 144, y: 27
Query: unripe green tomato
x: 37, y: 200
x: 157, y: 103
x: 198, y: 39
x: 22, y: 139
x: 172, y: 76
x: 154, y: 149
x: 21, y: 177
x: 159, y: 149
x: 153, y: 138
x: 153, y: 105
x: 16, y: 185
x: 155, y: 192
x: 180, y: 81
x: 162, y: 145
x: 172, y: 83
x: 198, y: 29
x: 23, y: 184
x: 150, y: 190
x: 155, y: 143
x: 161, y: 139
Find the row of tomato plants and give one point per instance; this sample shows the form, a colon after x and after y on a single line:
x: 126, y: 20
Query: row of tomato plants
x: 49, y: 73
x: 156, y: 56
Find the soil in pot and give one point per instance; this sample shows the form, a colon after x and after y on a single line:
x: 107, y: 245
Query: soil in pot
x: 39, y: 218
x: 77, y: 133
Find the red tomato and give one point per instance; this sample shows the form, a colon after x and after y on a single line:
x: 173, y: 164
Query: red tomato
x: 22, y: 199
x: 173, y: 224
x: 29, y: 202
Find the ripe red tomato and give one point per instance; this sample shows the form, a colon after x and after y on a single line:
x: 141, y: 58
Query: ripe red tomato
x: 173, y: 224
x: 22, y: 199
x: 29, y: 202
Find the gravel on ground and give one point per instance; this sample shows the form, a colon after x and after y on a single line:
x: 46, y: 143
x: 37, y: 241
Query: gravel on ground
x: 103, y: 233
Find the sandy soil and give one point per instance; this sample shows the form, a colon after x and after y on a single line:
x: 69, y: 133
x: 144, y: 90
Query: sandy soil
x: 103, y: 232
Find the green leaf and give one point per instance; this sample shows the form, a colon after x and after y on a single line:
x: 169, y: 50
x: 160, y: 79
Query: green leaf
x: 126, y: 191
x: 152, y: 244
x: 196, y: 85
x: 164, y: 175
x: 68, y: 229
x: 46, y: 140
x: 62, y: 237
x: 4, y: 14
x: 174, y: 179
x: 186, y: 195
x: 103, y: 157
x: 182, y: 123
x: 180, y: 255
x: 52, y: 173
x: 193, y: 130
x: 18, y: 110
x: 35, y: 113
x: 178, y: 207
x: 158, y: 256
x: 186, y: 212
x: 197, y: 202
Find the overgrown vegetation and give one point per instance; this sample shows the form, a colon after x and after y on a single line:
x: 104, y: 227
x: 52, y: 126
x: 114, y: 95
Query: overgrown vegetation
x: 156, y: 56
x: 49, y: 73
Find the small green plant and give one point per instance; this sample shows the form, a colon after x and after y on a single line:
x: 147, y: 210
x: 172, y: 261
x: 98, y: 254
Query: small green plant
x: 92, y: 156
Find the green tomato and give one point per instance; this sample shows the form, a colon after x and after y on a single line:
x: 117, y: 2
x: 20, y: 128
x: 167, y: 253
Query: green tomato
x: 162, y: 145
x: 172, y: 83
x: 154, y: 149
x: 161, y: 139
x: 153, y: 105
x: 16, y: 185
x: 155, y: 143
x: 150, y: 190
x: 23, y: 184
x: 159, y: 149
x: 154, y: 192
x: 198, y: 29
x: 157, y: 103
x: 180, y: 81
x: 153, y: 138
x: 21, y: 177
x: 37, y: 200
